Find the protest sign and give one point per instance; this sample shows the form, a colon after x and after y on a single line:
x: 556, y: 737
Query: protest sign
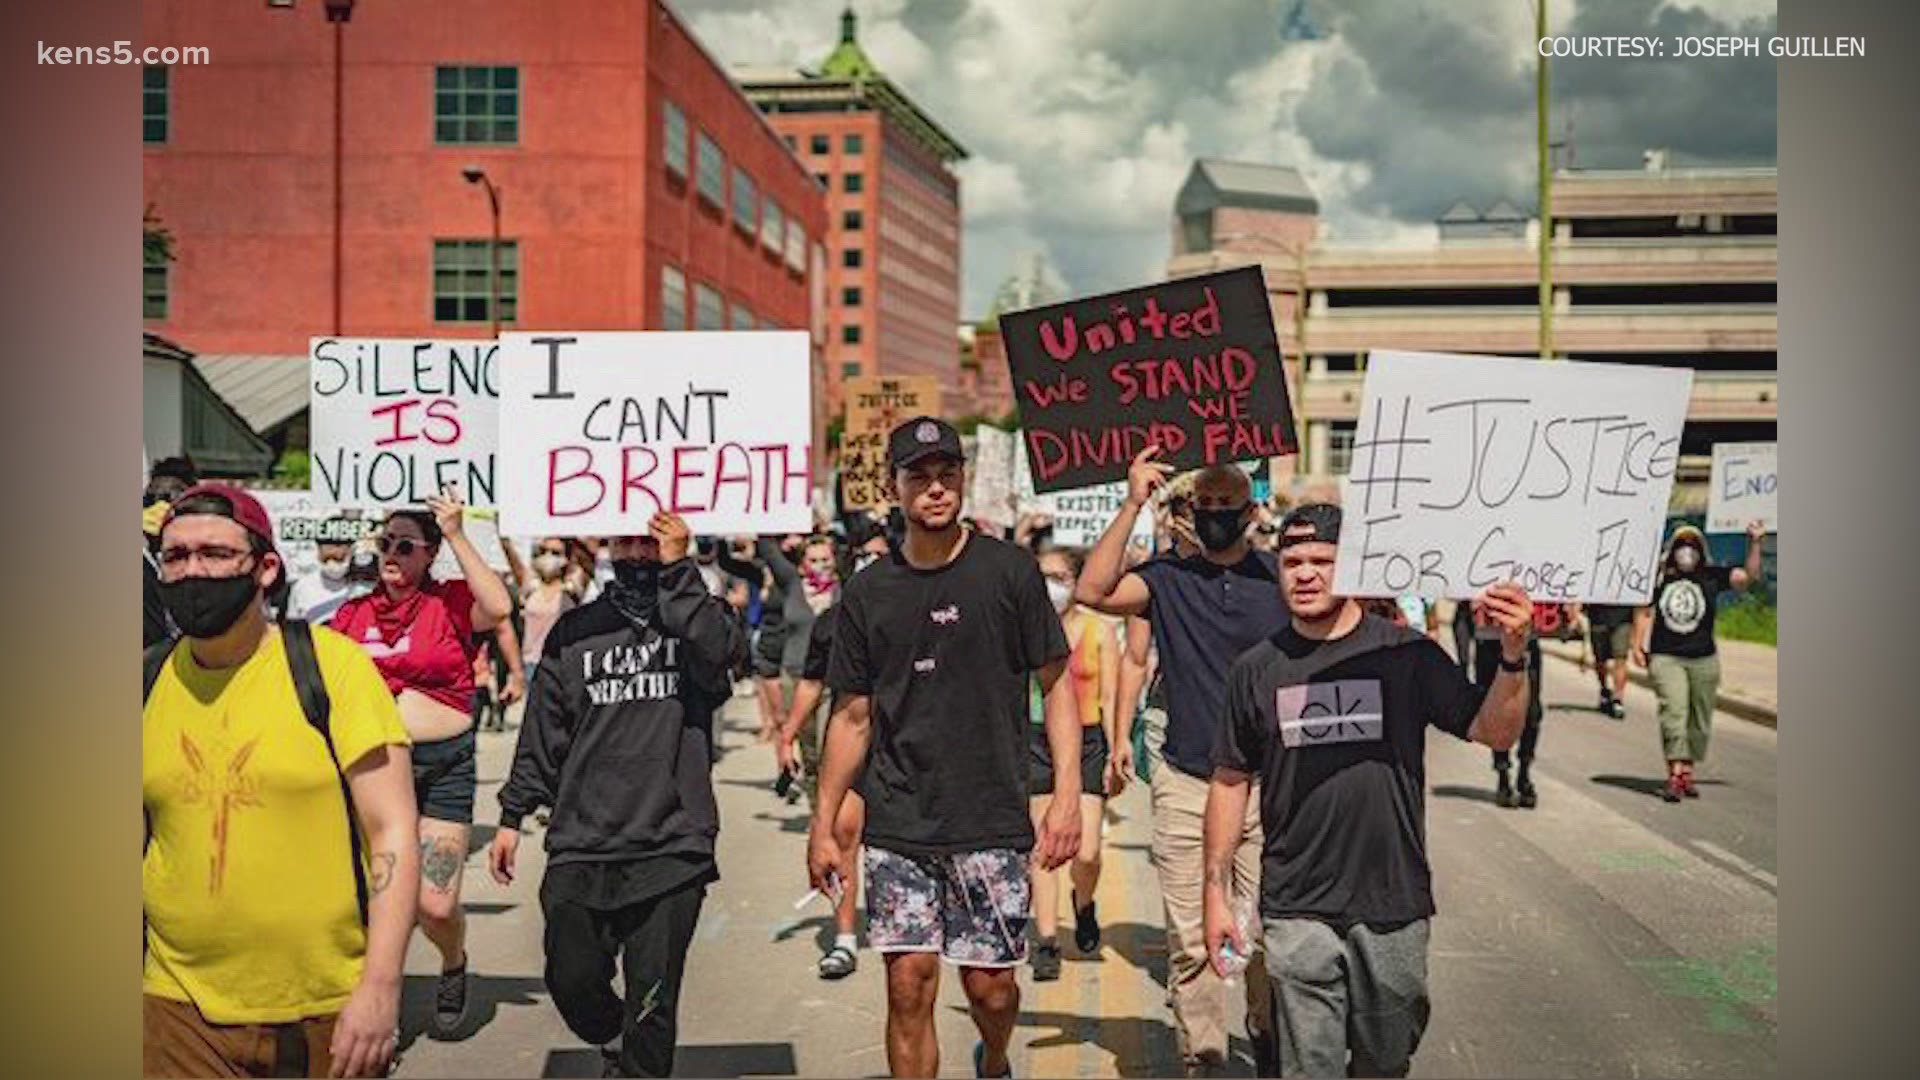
x: 990, y: 494
x: 1468, y: 470
x: 1745, y: 487
x: 301, y: 521
x: 483, y: 531
x: 603, y: 429
x: 1191, y: 364
x: 396, y: 419
x: 1026, y: 500
x: 1080, y: 516
x: 875, y: 405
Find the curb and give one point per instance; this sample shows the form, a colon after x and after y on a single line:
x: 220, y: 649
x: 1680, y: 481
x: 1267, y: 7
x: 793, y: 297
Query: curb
x: 1753, y: 711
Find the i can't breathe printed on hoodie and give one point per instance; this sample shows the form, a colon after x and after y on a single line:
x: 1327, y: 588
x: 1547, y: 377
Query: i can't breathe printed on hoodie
x: 618, y: 732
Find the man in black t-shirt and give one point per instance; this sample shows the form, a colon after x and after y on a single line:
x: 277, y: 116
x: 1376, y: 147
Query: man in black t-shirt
x: 1680, y: 655
x: 1330, y: 713
x: 1205, y: 609
x: 932, y: 652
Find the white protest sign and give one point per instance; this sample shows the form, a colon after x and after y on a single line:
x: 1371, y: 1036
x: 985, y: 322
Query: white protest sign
x: 603, y: 429
x: 300, y: 521
x: 1025, y: 499
x: 1745, y: 487
x: 990, y: 497
x: 483, y: 530
x: 1467, y: 470
x: 396, y: 419
x: 1081, y: 515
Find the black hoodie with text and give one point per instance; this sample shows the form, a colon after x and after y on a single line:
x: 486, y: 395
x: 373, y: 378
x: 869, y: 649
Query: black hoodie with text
x: 618, y: 731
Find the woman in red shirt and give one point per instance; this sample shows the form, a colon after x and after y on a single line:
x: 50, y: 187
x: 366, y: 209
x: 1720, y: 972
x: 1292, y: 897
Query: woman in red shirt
x: 420, y: 635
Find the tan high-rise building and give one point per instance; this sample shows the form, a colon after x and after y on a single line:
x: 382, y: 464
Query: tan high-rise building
x: 1674, y: 267
x: 893, y: 233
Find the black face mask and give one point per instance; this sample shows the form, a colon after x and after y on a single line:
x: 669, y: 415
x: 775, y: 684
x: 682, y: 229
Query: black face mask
x: 206, y: 607
x: 636, y: 588
x: 1219, y: 530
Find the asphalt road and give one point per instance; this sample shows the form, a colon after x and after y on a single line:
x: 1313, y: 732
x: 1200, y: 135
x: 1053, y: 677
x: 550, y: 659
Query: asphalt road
x: 1606, y: 933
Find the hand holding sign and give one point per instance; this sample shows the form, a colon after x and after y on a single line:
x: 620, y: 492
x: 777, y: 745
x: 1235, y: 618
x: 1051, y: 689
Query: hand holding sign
x: 1505, y: 604
x: 1146, y: 475
x: 671, y: 533
x: 448, y: 512
x: 1756, y: 531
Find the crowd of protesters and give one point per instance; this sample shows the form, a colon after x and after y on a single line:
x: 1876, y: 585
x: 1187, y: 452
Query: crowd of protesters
x: 955, y: 701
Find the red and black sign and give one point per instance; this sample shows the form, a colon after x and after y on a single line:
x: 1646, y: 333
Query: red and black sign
x: 1191, y: 364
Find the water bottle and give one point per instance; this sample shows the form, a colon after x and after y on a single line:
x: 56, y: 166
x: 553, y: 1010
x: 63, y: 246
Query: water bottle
x: 1249, y: 926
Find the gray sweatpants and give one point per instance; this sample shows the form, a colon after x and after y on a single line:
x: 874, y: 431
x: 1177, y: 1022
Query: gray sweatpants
x: 1364, y: 993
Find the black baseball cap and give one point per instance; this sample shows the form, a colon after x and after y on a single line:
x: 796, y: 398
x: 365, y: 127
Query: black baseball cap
x: 1322, y: 518
x: 921, y: 438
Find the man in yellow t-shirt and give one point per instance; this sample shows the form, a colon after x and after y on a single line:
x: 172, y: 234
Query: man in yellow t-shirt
x: 258, y: 961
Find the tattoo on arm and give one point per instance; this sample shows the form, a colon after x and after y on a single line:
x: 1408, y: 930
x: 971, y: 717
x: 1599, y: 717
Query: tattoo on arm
x: 1221, y: 874
x: 380, y: 872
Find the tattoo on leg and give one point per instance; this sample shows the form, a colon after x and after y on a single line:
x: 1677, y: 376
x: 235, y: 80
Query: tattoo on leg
x: 440, y: 860
x: 380, y: 872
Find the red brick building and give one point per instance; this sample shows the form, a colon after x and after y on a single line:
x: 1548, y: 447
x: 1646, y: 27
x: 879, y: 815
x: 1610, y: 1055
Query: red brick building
x: 893, y: 229
x: 639, y: 189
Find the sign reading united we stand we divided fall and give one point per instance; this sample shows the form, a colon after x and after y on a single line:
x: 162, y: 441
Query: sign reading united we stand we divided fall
x: 1193, y: 365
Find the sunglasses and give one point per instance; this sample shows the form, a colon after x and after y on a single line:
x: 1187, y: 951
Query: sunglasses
x: 402, y: 546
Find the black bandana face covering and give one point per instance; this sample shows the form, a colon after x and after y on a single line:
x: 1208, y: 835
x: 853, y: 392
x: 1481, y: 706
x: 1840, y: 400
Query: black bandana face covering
x: 206, y: 607
x: 636, y: 589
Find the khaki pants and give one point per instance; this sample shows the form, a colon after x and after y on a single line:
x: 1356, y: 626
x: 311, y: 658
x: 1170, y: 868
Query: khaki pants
x: 175, y: 1040
x: 1687, y: 688
x: 1194, y: 990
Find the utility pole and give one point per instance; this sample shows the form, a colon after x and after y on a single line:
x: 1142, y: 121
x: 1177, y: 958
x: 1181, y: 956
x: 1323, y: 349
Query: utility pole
x: 1546, y: 185
x: 339, y: 13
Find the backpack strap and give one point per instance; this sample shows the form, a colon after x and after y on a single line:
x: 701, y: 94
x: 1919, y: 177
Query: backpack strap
x: 311, y: 687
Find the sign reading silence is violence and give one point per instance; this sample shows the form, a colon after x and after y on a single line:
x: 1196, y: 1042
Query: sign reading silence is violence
x: 395, y: 420
x: 1192, y: 365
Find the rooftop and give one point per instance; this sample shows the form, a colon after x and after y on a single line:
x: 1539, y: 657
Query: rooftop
x: 1214, y: 183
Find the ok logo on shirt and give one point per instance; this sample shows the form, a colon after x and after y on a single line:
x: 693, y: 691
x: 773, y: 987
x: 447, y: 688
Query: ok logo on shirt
x: 1317, y: 714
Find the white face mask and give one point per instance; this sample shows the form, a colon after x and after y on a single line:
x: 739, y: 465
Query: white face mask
x: 548, y: 565
x: 1061, y: 594
x: 333, y: 570
x: 1686, y: 558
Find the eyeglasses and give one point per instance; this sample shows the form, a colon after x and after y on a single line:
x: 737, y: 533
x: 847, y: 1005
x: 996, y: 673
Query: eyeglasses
x: 402, y: 546
x: 215, y: 557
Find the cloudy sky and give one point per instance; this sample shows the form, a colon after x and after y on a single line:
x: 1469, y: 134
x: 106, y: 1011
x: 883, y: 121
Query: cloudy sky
x: 1083, y: 116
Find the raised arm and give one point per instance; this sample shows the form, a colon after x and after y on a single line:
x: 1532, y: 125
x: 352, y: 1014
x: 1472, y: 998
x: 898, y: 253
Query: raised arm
x: 491, y: 602
x: 1105, y: 584
x: 785, y: 574
x: 714, y: 639
x: 1503, y: 711
x: 1743, y: 577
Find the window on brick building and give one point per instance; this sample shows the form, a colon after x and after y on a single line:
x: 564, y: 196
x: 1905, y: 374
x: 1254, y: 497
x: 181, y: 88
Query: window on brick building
x: 852, y: 220
x: 674, y: 135
x: 742, y: 318
x: 850, y: 297
x: 850, y: 369
x: 853, y: 183
x: 709, y: 312
x: 673, y: 299
x: 153, y: 288
x: 850, y: 334
x: 850, y: 258
x: 851, y: 144
x: 746, y: 201
x: 713, y: 172
x: 153, y: 103
x: 818, y: 144
x: 773, y: 226
x: 476, y: 105
x: 462, y: 285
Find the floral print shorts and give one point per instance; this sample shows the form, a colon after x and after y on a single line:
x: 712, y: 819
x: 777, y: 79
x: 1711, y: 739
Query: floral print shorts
x: 972, y: 908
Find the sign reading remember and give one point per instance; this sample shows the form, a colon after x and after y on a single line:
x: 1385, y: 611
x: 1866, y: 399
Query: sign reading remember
x: 1745, y: 487
x: 1192, y: 365
x: 1468, y: 470
x: 395, y: 420
x: 600, y: 430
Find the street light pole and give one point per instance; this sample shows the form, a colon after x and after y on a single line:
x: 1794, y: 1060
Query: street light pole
x: 476, y: 175
x: 339, y: 13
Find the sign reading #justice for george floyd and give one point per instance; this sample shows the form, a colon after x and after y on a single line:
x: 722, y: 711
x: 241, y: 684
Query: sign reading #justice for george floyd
x: 1468, y: 470
x: 1192, y: 365
x: 600, y: 430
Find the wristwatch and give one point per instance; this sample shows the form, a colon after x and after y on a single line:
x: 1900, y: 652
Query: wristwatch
x: 1515, y: 667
